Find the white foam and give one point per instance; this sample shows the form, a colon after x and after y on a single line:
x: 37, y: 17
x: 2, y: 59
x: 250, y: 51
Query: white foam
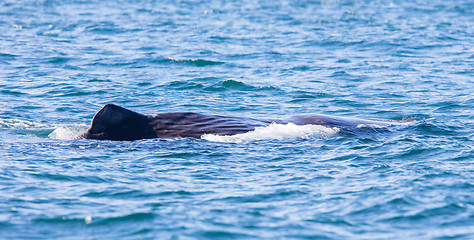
x: 68, y: 131
x: 276, y: 131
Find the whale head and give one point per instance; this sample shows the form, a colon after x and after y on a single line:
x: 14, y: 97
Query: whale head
x: 116, y: 123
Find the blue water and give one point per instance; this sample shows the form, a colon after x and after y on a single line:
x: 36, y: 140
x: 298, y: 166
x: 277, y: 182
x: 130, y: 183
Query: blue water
x: 61, y: 61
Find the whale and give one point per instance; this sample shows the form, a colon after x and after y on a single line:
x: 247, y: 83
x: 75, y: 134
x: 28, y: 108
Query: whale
x: 116, y: 123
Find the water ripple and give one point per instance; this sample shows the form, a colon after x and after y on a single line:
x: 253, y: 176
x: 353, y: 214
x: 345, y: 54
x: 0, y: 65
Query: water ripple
x: 61, y: 61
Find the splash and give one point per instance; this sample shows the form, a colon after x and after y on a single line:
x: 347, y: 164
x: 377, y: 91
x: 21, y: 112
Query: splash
x: 276, y: 131
x: 68, y: 131
x: 61, y: 131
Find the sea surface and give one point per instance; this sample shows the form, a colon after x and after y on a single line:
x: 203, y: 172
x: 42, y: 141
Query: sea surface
x: 62, y: 60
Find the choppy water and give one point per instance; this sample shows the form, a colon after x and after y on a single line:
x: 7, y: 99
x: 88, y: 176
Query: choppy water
x: 60, y: 61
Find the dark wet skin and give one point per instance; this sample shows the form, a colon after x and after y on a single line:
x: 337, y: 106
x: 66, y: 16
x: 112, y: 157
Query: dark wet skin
x: 119, y: 124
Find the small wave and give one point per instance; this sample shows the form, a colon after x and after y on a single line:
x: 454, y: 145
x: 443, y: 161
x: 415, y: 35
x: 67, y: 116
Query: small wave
x: 214, y: 85
x: 190, y: 61
x: 233, y: 85
x: 19, y: 124
x: 276, y: 131
x: 7, y: 55
x: 13, y: 93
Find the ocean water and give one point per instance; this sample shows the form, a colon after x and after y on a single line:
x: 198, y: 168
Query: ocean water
x: 61, y: 61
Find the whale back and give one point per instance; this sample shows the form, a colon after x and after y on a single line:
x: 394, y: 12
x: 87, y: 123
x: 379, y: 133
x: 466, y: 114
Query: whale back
x: 116, y: 123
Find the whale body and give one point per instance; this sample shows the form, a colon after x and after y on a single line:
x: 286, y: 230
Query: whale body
x: 116, y: 123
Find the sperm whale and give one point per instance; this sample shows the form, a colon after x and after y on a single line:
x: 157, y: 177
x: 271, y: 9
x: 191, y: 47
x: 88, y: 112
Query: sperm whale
x: 116, y: 123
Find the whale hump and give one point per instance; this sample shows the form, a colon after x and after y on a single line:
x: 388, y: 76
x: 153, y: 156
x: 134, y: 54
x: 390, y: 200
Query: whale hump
x: 117, y: 123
